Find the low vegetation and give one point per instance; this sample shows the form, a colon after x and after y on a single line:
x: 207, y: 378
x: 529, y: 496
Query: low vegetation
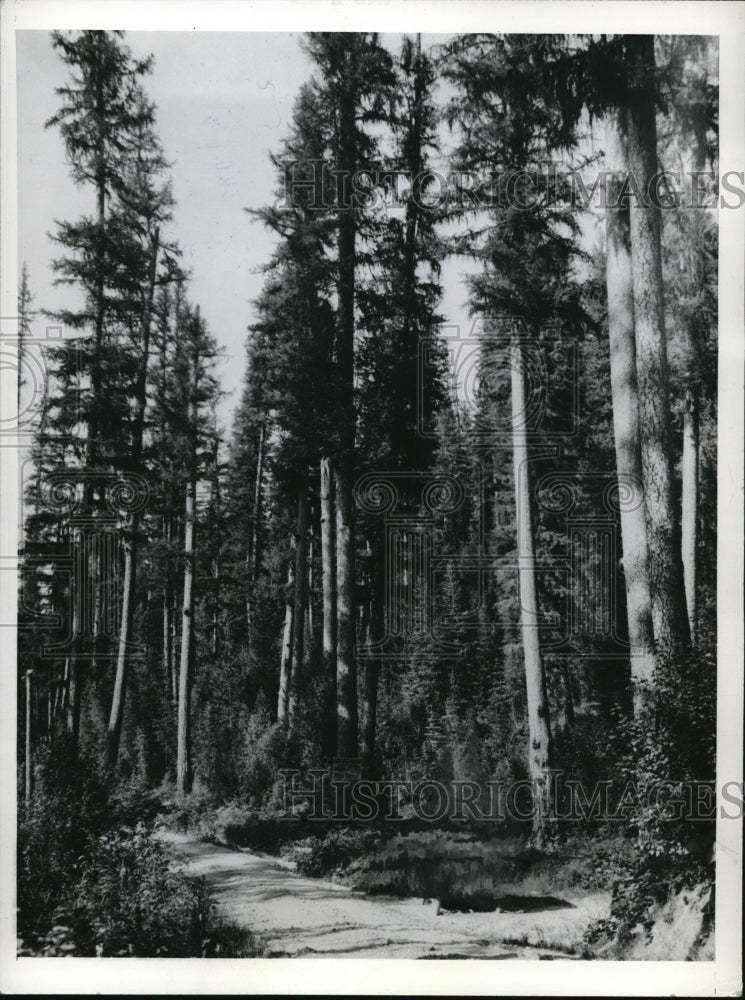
x: 92, y: 885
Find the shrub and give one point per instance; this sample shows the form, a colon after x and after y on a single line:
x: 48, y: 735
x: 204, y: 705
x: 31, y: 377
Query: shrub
x: 672, y: 854
x: 335, y: 851
x: 133, y: 900
x: 56, y: 828
x: 87, y: 886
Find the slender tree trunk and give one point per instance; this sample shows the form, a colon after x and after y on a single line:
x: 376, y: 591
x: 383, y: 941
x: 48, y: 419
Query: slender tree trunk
x: 65, y: 697
x: 130, y: 544
x: 690, y: 458
x: 286, y: 655
x: 254, y: 554
x: 328, y: 579
x: 669, y: 617
x: 346, y: 668
x: 216, y: 574
x: 625, y: 398
x: 301, y: 598
x: 167, y: 647
x: 183, y: 742
x: 175, y: 653
x: 372, y: 666
x: 568, y: 697
x: 75, y: 678
x: 310, y: 617
x: 50, y: 696
x: 183, y: 746
x: 28, y: 759
x: 166, y: 613
x: 117, y: 704
x: 689, y: 512
x: 539, y: 729
x: 55, y: 698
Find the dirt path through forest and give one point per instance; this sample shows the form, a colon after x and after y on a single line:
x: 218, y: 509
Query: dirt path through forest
x: 295, y: 916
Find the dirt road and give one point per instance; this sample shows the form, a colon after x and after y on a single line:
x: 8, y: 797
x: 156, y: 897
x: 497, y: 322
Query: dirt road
x: 294, y: 916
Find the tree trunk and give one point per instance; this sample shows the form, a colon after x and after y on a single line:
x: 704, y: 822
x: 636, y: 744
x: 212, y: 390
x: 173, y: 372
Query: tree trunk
x: 254, y: 554
x: 216, y: 573
x: 372, y: 666
x: 346, y: 668
x: 93, y: 455
x: 689, y: 505
x: 625, y: 399
x: 88, y: 551
x: 669, y: 617
x: 28, y: 761
x: 65, y: 696
x: 166, y: 638
x: 286, y: 656
x: 310, y: 618
x: 183, y: 741
x: 167, y: 647
x: 539, y: 729
x: 301, y: 598
x: 130, y: 551
x: 75, y: 664
x: 117, y: 704
x: 690, y: 459
x: 183, y: 745
x: 328, y: 580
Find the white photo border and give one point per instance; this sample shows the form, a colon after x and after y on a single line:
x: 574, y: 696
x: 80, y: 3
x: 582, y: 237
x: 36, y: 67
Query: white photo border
x: 721, y: 977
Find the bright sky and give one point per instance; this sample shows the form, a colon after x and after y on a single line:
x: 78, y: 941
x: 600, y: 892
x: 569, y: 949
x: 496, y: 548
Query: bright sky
x: 224, y: 100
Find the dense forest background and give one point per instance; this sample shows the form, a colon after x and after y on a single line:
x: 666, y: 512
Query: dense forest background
x: 423, y: 552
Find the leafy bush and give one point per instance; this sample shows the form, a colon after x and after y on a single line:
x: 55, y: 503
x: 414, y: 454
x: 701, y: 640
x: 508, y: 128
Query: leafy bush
x: 66, y: 814
x: 87, y: 886
x: 322, y: 856
x: 672, y: 854
x: 132, y: 900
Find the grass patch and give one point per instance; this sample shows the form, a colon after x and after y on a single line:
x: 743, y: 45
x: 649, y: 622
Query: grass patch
x: 462, y: 866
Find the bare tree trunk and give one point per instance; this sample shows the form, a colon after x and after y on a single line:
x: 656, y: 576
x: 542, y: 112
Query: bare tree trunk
x: 65, y: 697
x: 689, y: 505
x: 254, y: 555
x: 626, y: 432
x: 117, y: 703
x: 328, y: 577
x: 346, y: 668
x: 301, y: 598
x: 669, y: 617
x: 539, y: 729
x: 286, y: 655
x: 215, y: 500
x: 690, y: 458
x: 372, y: 666
x: 183, y: 745
x: 28, y: 761
x: 311, y: 611
x: 75, y: 664
x: 175, y: 653
x: 130, y: 544
x: 167, y: 644
x: 183, y: 741
x: 50, y: 696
